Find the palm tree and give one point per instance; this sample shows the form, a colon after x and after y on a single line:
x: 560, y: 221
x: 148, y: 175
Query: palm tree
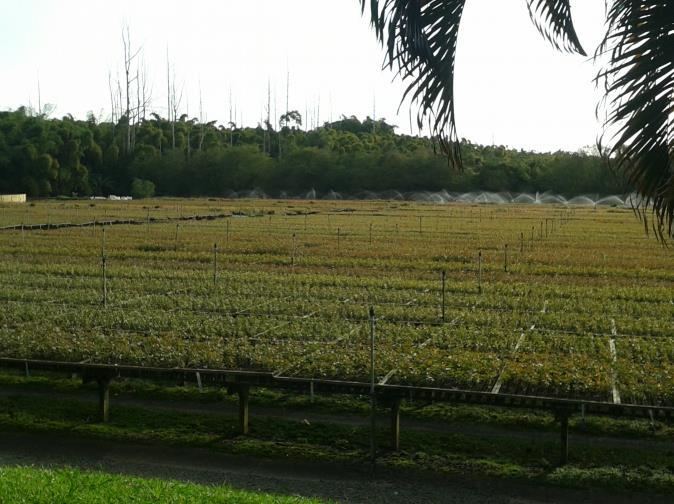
x: 638, y: 81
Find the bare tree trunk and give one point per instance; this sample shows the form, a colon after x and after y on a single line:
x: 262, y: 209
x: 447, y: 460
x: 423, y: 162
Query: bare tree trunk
x: 202, y: 132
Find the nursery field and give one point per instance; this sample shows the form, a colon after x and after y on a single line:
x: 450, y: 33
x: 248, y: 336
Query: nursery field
x: 571, y: 302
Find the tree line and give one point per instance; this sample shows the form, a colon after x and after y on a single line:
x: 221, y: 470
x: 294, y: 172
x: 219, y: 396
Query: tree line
x: 46, y: 157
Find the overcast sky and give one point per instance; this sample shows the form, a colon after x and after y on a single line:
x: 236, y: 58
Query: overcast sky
x: 512, y: 88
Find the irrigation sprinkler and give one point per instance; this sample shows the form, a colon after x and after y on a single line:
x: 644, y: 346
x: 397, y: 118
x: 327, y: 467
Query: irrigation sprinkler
x: 505, y: 258
x: 373, y: 403
x: 215, y: 263
x: 546, y: 227
x: 443, y: 278
x: 532, y: 236
x: 540, y: 231
x: 479, y: 272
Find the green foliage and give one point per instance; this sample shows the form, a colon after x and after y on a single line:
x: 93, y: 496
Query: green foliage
x: 51, y: 157
x: 142, y: 189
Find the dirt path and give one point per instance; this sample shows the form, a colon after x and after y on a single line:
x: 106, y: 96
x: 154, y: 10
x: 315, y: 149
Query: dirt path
x: 341, y: 484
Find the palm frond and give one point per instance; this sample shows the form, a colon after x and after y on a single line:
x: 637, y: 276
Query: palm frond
x: 421, y: 38
x: 553, y: 20
x: 639, y: 87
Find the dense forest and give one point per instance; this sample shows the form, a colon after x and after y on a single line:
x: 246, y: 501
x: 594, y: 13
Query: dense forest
x: 184, y: 157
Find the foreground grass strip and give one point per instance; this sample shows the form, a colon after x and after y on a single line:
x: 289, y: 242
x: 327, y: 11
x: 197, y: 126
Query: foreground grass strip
x: 36, y: 486
x: 509, y: 454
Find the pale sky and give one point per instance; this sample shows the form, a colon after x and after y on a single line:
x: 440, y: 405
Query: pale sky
x: 511, y: 88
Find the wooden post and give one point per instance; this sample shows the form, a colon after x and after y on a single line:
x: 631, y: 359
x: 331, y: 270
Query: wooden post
x: 563, y: 417
x: 522, y: 242
x: 227, y: 233
x: 104, y: 399
x: 244, y: 392
x: 176, y: 240
x: 420, y: 224
x: 305, y: 222
x: 505, y: 258
x: 338, y: 236
x: 444, y: 281
x: 540, y: 233
x: 148, y: 220
x: 395, y: 425
x: 370, y: 233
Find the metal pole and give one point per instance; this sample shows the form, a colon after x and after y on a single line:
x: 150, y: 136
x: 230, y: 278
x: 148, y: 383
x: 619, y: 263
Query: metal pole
x: 373, y: 424
x: 215, y: 263
x: 104, y: 263
x: 444, y: 278
x: 293, y: 254
x: 479, y: 272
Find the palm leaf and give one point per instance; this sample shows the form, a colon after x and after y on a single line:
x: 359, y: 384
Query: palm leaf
x: 639, y: 87
x: 421, y: 37
x: 553, y: 20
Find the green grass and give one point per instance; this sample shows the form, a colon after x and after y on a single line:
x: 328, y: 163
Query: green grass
x: 71, y: 486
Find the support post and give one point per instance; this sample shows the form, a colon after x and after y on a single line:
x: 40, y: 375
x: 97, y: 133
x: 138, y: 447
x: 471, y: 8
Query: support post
x: 373, y: 404
x: 338, y: 236
x: 563, y: 417
x: 522, y: 242
x: 479, y: 272
x: 215, y: 263
x: 395, y: 425
x: 505, y: 258
x: 104, y: 262
x: 444, y: 282
x: 104, y: 399
x: 244, y: 391
x: 292, y: 259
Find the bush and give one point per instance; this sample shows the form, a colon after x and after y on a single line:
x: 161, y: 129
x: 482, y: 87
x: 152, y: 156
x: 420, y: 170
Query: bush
x: 142, y: 189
